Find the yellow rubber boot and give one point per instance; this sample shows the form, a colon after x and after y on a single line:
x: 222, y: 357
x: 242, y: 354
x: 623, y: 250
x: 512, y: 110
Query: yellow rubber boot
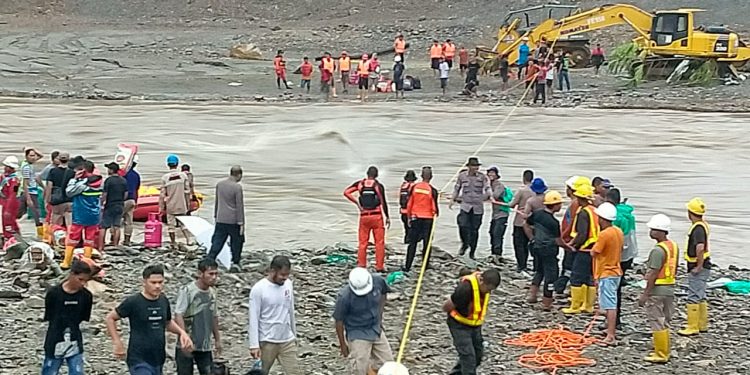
x: 661, y: 347
x: 703, y: 317
x: 46, y: 233
x: 87, y: 251
x: 590, y: 295
x: 68, y: 259
x: 40, y: 232
x: 693, y: 319
x: 576, y: 300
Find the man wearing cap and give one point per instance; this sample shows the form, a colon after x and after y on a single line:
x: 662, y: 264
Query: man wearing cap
x: 85, y: 189
x: 501, y: 196
x: 536, y: 202
x: 601, y: 186
x: 359, y: 321
x: 585, y: 233
x: 174, y: 198
x: 471, y: 191
x: 698, y: 257
x: 567, y: 226
x: 398, y: 76
x: 134, y: 184
x: 29, y: 192
x: 9, y: 187
x: 54, y: 194
x: 345, y: 66
x: 523, y: 56
x: 422, y: 210
x: 520, y: 241
x: 542, y: 226
x: 114, y: 194
x: 403, y: 200
x: 42, y: 180
x: 658, y: 296
x: 607, y: 271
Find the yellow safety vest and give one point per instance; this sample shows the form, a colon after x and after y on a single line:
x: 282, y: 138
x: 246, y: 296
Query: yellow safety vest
x: 593, y: 227
x: 706, y: 253
x: 478, y: 309
x: 669, y: 269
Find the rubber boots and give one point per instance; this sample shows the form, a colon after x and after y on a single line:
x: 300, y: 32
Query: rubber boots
x: 40, y: 232
x: 533, y: 292
x: 661, y: 347
x: 693, y: 320
x: 703, y: 317
x: 87, y: 251
x: 590, y: 295
x: 68, y: 258
x: 577, y: 296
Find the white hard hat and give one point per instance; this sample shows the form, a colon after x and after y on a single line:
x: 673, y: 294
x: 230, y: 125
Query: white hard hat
x: 571, y: 182
x: 393, y: 368
x: 606, y: 211
x: 660, y: 222
x: 11, y: 161
x: 397, y: 59
x: 525, y: 39
x: 360, y: 281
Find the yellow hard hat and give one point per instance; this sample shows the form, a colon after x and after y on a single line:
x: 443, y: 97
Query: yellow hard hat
x: 697, y: 206
x: 552, y: 197
x: 584, y: 191
x: 580, y: 181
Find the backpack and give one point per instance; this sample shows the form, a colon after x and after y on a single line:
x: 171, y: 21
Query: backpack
x: 369, y: 195
x: 416, y: 84
x: 404, y: 194
x: 506, y: 197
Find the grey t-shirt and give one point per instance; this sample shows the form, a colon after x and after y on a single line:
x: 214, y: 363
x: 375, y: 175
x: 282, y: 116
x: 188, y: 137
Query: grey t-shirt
x: 656, y: 258
x: 498, y: 191
x: 361, y: 314
x: 198, y: 309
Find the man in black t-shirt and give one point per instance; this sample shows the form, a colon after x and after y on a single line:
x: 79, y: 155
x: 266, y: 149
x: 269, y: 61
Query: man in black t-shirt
x: 149, y: 315
x: 698, y: 256
x: 57, y: 180
x: 65, y: 307
x: 114, y: 194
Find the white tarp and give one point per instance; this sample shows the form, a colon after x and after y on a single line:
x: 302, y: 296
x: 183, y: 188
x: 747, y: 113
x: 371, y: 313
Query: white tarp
x: 203, y: 231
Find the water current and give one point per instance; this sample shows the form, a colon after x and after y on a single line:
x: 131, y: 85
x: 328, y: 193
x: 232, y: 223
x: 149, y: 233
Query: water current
x: 299, y: 158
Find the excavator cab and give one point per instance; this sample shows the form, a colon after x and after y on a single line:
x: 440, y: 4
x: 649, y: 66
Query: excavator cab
x: 675, y: 33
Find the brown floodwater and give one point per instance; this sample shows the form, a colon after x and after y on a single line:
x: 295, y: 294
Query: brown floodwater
x: 298, y: 159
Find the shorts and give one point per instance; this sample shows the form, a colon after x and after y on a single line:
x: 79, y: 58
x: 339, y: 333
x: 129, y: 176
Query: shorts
x: 112, y: 216
x: 435, y: 63
x: 90, y: 235
x: 344, y: 78
x: 549, y: 82
x: 608, y: 292
x: 399, y: 84
x: 443, y: 83
x: 450, y: 62
x: 463, y: 66
x: 364, y: 83
x: 504, y: 76
x: 172, y: 222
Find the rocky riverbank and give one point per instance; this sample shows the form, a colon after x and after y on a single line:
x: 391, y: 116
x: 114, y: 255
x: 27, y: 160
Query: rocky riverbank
x: 318, y: 278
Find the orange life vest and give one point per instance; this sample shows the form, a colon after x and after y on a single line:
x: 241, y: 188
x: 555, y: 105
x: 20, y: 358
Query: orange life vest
x: 399, y: 46
x: 279, y: 64
x: 669, y: 269
x: 345, y: 64
x: 436, y: 52
x: 329, y: 65
x: 593, y: 228
x: 421, y: 202
x: 478, y: 307
x: 449, y: 49
x: 363, y: 68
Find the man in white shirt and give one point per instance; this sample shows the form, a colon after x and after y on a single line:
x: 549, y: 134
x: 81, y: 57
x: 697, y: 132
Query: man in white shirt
x: 445, y: 70
x: 272, y: 330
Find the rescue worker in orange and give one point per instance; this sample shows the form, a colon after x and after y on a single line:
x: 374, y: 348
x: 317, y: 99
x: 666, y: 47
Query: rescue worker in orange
x: 585, y: 233
x: 306, y: 69
x: 698, y: 257
x: 449, y: 52
x: 345, y: 66
x: 372, y: 206
x: 463, y: 60
x: 422, y: 210
x: 658, y: 296
x: 279, y: 66
x: 436, y: 53
x: 330, y: 65
x: 363, y: 72
x: 399, y: 47
x: 467, y: 308
x: 403, y: 199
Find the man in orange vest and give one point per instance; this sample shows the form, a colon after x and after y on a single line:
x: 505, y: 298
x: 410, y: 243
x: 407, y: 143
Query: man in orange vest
x: 330, y: 65
x: 463, y: 60
x: 345, y: 66
x: 449, y: 51
x: 422, y: 209
x: 403, y: 199
x: 363, y: 72
x: 466, y: 309
x: 279, y: 66
x: 585, y: 233
x: 399, y: 47
x: 436, y: 53
x: 372, y: 206
x: 658, y: 297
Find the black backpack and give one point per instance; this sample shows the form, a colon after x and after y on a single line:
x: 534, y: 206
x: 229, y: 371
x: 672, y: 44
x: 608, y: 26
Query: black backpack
x: 369, y: 196
x: 404, y: 194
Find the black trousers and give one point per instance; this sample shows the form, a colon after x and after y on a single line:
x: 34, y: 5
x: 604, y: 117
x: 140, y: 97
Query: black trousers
x: 521, y: 247
x: 419, y: 231
x: 497, y: 233
x: 567, y: 267
x: 184, y: 362
x: 547, y: 271
x: 624, y: 266
x: 582, y: 274
x: 236, y: 240
x: 469, y: 345
x: 540, y: 92
x: 468, y: 230
x: 405, y: 221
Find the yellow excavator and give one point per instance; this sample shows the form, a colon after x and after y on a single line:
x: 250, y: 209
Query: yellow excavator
x: 671, y: 35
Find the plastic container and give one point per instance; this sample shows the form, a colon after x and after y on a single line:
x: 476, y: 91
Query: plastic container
x: 152, y: 233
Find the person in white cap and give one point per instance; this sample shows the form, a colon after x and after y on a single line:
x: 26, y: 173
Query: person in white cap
x: 359, y: 321
x: 658, y: 296
x: 9, y: 185
x: 393, y: 368
x: 607, y: 272
x: 398, y: 75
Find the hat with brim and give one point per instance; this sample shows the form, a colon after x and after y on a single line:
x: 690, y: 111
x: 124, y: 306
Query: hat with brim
x: 363, y: 289
x: 36, y: 151
x: 11, y: 162
x: 538, y: 186
x: 63, y: 157
x: 112, y: 165
x: 473, y: 162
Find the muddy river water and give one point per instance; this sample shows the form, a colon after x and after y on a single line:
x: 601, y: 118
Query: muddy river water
x: 299, y: 158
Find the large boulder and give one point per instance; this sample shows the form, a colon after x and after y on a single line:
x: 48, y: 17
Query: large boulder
x: 246, y: 51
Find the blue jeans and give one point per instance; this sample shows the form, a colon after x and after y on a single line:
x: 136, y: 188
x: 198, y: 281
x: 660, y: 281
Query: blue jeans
x: 144, y: 369
x: 563, y: 76
x: 51, y: 366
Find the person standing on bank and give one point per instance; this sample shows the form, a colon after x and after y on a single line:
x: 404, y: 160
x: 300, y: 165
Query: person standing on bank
x: 134, y: 184
x: 403, y: 200
x: 359, y: 321
x: 466, y: 309
x: 698, y: 257
x: 606, y: 255
x: 174, y: 198
x: 272, y: 328
x: 229, y: 215
x: 372, y: 207
x: 422, y: 209
x: 471, y: 191
x: 585, y: 233
x: 196, y: 312
x: 520, y: 241
x: 501, y: 196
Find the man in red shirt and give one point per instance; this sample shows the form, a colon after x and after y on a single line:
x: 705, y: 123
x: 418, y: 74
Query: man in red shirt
x: 463, y: 59
x: 326, y: 78
x: 279, y: 66
x: 9, y: 186
x: 306, y: 69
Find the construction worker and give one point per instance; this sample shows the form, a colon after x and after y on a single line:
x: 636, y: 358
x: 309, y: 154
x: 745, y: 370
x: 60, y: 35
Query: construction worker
x: 329, y: 65
x: 567, y: 226
x: 658, y: 296
x: 607, y: 272
x: 698, y: 257
x: 585, y: 233
x: 436, y: 53
x: 403, y: 200
x: 345, y: 66
x: 363, y: 72
x: 543, y: 227
x: 85, y: 190
x: 372, y: 206
x: 279, y: 66
x: 466, y: 309
x: 471, y: 191
x: 421, y: 210
x: 399, y: 47
x: 449, y: 52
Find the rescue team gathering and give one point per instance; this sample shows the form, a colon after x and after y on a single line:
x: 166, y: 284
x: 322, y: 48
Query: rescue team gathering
x: 596, y: 235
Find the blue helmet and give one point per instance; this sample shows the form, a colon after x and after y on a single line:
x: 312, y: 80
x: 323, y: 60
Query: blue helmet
x: 172, y: 159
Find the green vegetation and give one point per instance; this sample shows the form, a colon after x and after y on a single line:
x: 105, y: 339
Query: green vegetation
x: 623, y: 57
x: 704, y: 74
